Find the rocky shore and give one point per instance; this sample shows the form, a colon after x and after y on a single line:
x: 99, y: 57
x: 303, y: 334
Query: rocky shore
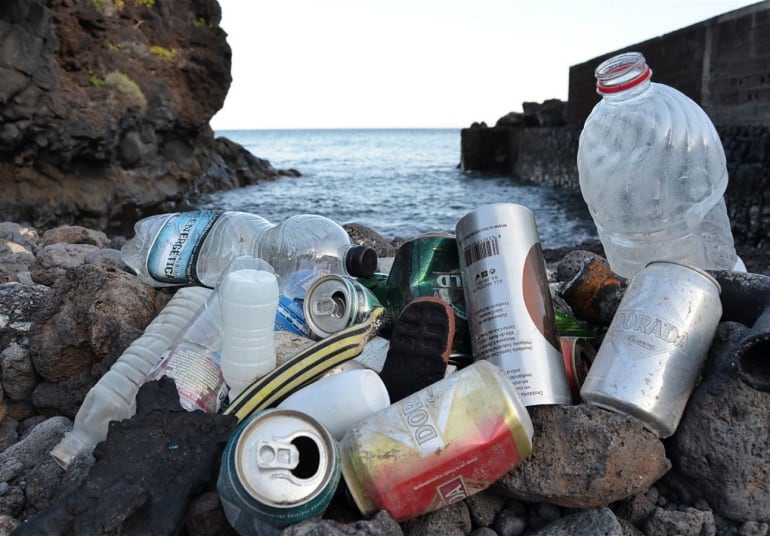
x: 69, y: 307
x: 105, y: 118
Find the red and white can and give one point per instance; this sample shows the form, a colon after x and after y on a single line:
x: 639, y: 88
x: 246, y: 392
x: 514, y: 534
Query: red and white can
x: 578, y: 355
x: 437, y: 446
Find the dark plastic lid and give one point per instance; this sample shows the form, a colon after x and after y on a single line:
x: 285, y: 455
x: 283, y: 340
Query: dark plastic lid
x: 361, y: 261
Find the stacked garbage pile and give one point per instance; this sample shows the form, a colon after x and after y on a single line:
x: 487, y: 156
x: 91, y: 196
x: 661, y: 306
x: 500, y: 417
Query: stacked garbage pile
x: 368, y: 408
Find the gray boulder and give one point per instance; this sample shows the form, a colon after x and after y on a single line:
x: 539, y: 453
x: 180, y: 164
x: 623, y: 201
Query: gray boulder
x: 717, y: 448
x: 586, y: 457
x: 596, y: 522
x: 95, y: 312
x: 18, y: 303
x: 381, y: 524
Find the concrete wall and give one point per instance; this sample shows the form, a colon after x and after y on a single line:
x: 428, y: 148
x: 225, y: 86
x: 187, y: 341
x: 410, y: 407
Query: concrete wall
x: 722, y: 63
x: 548, y: 156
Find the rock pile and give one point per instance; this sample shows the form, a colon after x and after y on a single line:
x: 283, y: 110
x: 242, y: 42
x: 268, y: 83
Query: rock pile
x: 69, y: 307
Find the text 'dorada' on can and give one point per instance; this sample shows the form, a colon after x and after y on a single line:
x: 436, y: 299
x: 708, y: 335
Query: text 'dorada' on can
x: 279, y: 467
x: 655, y: 346
x: 510, y: 309
x: 437, y: 446
x: 334, y: 302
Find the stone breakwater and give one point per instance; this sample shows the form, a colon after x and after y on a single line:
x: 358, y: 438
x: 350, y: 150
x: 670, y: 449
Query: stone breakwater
x: 69, y: 307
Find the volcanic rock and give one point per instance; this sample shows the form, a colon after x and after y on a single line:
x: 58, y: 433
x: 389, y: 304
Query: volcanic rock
x: 106, y: 108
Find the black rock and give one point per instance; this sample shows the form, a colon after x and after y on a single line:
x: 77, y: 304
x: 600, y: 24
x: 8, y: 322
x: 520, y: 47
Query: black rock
x: 146, y: 471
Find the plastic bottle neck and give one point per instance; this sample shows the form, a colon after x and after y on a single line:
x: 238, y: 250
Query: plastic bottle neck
x: 359, y: 260
x: 623, y: 76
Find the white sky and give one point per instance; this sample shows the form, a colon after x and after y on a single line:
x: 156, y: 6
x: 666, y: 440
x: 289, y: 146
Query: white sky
x: 422, y: 63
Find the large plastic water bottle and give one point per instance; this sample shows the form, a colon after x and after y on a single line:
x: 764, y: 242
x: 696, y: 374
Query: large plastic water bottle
x: 113, y: 398
x: 653, y: 173
x: 249, y: 300
x: 196, y: 247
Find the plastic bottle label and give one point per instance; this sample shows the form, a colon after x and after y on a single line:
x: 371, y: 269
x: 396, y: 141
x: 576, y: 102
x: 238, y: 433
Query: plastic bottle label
x: 174, y: 252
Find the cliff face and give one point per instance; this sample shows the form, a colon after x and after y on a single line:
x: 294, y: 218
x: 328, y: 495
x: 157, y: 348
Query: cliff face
x: 104, y: 110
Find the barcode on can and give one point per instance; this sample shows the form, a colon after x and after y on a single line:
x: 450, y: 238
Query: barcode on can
x: 481, y: 250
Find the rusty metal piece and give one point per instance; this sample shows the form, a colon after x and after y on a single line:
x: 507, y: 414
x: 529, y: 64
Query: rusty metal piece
x: 595, y: 292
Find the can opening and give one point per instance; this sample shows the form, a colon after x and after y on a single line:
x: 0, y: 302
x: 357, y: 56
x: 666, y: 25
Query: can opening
x: 339, y: 304
x: 309, y: 457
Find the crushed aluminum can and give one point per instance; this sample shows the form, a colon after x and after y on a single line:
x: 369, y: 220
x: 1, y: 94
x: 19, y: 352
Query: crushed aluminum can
x: 334, y: 302
x: 650, y: 357
x: 437, y: 446
x: 279, y: 467
x: 429, y: 265
x: 376, y: 284
x: 510, y: 309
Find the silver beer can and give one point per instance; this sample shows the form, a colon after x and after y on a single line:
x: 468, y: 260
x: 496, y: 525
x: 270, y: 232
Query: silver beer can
x: 655, y: 346
x: 508, y: 302
x: 334, y: 302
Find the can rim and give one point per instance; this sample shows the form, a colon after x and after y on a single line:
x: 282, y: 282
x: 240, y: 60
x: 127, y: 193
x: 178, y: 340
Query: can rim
x: 314, y: 326
x: 324, y: 441
x: 700, y: 271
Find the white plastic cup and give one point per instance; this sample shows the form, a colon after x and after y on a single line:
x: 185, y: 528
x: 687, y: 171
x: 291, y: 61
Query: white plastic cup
x: 341, y: 400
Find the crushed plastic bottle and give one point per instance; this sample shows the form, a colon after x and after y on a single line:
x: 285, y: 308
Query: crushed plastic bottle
x: 193, y: 358
x: 653, y: 173
x: 113, y: 397
x: 196, y: 247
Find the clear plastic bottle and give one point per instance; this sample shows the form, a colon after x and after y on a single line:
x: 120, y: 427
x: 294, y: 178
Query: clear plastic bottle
x: 249, y: 300
x: 196, y: 247
x: 113, y: 397
x: 194, y: 357
x: 653, y: 173
x: 192, y: 360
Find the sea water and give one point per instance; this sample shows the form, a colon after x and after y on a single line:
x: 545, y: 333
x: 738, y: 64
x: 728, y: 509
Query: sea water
x: 398, y: 182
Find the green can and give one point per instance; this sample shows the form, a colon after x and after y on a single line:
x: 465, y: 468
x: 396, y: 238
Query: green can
x: 376, y: 285
x: 334, y: 302
x: 278, y: 468
x: 429, y: 265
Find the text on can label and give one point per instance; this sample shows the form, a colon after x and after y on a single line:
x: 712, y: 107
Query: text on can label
x: 421, y: 426
x: 650, y: 325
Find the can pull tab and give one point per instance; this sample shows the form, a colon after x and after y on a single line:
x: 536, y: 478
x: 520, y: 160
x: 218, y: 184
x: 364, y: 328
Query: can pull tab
x: 333, y: 306
x: 276, y: 455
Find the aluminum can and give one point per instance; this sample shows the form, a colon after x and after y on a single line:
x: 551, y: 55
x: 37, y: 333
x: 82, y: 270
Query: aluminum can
x: 279, y: 467
x: 437, y: 446
x: 376, y: 283
x: 654, y: 348
x: 510, y: 308
x: 429, y: 265
x: 334, y: 302
x: 578, y: 355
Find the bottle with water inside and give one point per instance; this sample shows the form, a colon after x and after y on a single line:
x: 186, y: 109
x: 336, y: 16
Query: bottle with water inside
x: 653, y: 173
x: 196, y: 247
